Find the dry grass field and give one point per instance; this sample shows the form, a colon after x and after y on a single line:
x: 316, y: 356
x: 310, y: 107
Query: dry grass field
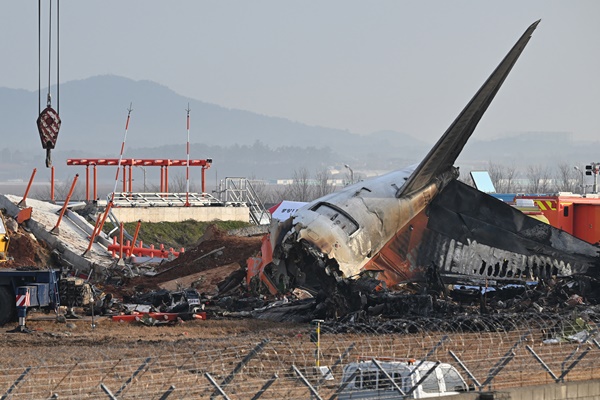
x: 134, y: 361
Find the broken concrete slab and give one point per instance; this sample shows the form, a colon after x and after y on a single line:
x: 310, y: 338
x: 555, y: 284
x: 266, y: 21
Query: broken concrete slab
x: 72, y: 240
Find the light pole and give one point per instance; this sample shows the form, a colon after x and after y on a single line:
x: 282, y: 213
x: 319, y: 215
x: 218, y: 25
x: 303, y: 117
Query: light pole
x: 144, y: 170
x: 351, y: 173
x: 582, y: 185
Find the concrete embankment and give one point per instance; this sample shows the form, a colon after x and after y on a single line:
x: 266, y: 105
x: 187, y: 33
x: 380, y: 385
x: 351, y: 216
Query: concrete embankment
x: 577, y: 390
x: 179, y: 214
x: 70, y: 239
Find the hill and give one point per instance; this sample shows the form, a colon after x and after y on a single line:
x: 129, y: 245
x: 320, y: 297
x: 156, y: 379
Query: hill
x: 241, y: 143
x: 94, y: 110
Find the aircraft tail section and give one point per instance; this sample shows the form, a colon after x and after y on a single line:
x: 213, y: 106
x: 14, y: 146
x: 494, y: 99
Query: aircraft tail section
x: 442, y: 156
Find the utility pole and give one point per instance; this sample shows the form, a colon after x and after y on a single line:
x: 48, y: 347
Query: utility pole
x: 144, y: 171
x: 582, y: 184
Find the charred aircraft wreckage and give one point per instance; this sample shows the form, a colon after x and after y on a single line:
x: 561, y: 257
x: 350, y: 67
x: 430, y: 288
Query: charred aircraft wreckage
x: 420, y: 227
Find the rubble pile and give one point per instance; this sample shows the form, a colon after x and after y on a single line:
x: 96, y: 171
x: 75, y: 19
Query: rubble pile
x: 26, y: 250
x: 215, y: 265
x: 215, y: 269
x: 216, y: 256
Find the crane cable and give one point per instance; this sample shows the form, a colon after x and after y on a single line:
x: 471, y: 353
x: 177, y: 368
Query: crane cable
x: 48, y: 121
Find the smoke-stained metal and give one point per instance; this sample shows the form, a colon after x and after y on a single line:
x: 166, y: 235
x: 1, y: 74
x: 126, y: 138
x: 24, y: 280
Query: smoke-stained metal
x: 472, y: 234
x: 418, y: 230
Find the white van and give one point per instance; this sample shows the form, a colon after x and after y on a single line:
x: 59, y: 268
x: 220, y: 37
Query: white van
x: 370, y: 382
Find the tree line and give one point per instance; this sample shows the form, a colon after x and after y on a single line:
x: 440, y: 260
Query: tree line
x: 306, y: 186
x: 563, y: 177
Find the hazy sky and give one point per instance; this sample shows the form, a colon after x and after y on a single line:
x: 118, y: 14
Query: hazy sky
x: 364, y: 66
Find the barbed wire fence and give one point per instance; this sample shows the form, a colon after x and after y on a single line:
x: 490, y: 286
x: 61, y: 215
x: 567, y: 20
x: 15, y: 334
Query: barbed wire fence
x: 490, y: 352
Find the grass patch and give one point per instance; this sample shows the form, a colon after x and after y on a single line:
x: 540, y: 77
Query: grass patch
x: 175, y: 234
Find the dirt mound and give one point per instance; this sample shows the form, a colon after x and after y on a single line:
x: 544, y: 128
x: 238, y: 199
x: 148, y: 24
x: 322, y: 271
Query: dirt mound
x: 216, y: 254
x: 215, y: 249
x: 25, y: 250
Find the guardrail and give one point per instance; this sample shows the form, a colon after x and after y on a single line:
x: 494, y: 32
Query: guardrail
x: 126, y: 199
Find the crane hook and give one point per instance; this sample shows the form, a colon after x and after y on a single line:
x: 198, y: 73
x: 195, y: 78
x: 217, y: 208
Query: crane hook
x: 48, y: 124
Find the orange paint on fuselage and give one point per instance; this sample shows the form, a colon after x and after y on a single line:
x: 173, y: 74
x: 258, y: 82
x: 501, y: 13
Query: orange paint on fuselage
x: 397, y: 259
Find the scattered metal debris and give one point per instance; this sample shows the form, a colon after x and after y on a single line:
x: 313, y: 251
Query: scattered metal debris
x: 417, y: 242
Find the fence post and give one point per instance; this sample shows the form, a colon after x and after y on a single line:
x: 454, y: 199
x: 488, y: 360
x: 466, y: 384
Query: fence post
x: 167, y: 393
x: 216, y: 385
x: 15, y: 383
x: 430, y: 353
x: 561, y: 378
x: 345, y: 383
x: 265, y: 387
x: 140, y: 368
x: 510, y: 354
x: 388, y: 377
x: 259, y: 347
x: 306, y: 382
x: 108, y: 392
x: 431, y: 370
x: 67, y: 374
x: 542, y: 363
x: 464, y: 367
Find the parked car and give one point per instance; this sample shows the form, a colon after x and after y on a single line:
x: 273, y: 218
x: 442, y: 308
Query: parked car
x: 415, y: 379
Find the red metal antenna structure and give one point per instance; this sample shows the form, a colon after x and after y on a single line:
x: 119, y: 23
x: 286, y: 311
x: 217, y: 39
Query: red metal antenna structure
x: 55, y: 230
x: 98, y: 227
x: 187, y: 164
x: 129, y: 110
x: 127, y: 165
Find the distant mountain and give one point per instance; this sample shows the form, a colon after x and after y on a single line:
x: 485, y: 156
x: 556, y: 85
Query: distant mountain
x: 94, y: 110
x: 241, y: 143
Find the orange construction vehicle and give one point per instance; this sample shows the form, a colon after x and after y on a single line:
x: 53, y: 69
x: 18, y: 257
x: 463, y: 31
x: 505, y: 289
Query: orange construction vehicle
x: 575, y: 214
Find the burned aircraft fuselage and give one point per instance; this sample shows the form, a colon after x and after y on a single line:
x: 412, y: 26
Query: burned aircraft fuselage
x: 473, y: 235
x: 464, y: 235
x: 343, y: 230
x: 387, y: 224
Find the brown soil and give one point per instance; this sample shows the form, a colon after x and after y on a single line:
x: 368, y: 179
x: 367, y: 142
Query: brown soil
x: 76, y: 342
x: 25, y: 250
x: 214, y: 250
x: 223, y: 249
x: 217, y: 255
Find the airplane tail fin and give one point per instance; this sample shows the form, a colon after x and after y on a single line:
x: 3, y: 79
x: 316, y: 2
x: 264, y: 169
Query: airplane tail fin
x: 445, y: 152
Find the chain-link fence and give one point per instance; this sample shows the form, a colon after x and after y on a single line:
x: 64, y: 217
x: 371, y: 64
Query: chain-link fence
x: 489, y: 352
